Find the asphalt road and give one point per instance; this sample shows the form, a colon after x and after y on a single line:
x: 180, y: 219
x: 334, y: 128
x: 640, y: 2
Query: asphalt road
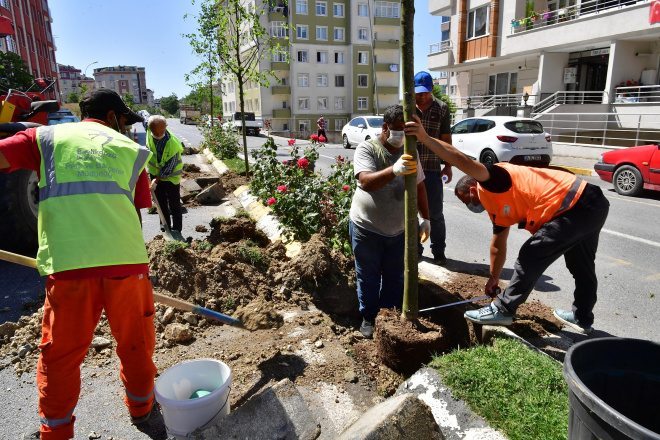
x: 627, y: 260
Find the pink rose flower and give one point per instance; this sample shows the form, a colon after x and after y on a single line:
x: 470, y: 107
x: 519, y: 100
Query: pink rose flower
x: 314, y: 137
x: 281, y: 189
x: 345, y: 188
x: 303, y: 162
x: 322, y: 139
x: 292, y: 142
x: 271, y: 201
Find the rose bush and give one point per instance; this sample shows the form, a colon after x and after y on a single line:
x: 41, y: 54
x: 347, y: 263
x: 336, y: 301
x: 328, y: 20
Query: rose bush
x: 223, y: 143
x: 304, y: 201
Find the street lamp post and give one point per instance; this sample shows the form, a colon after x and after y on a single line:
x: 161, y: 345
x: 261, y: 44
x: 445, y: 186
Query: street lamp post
x: 85, y: 71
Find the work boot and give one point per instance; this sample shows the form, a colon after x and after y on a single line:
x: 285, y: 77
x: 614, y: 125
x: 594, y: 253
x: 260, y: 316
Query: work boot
x: 568, y: 318
x: 141, y: 420
x: 489, y: 315
x: 35, y: 435
x: 367, y: 328
x: 440, y: 259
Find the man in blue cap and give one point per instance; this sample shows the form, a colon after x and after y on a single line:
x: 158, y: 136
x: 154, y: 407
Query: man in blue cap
x: 435, y: 117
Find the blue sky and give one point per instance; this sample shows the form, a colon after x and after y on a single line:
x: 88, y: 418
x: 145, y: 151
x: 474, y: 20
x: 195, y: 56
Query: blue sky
x: 148, y: 33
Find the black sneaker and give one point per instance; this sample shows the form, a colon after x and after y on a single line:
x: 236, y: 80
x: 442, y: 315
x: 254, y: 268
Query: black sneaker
x: 440, y: 259
x: 367, y: 328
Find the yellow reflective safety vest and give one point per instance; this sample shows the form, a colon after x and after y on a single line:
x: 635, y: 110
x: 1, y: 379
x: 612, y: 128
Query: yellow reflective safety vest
x: 172, y: 147
x: 87, y: 215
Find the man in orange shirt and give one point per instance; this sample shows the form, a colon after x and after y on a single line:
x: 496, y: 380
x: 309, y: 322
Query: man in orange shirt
x: 92, y: 184
x: 564, y: 214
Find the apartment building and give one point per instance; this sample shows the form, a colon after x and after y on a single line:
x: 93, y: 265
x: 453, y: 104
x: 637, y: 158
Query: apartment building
x: 123, y: 80
x: 69, y: 79
x: 25, y: 30
x: 342, y: 59
x: 509, y: 49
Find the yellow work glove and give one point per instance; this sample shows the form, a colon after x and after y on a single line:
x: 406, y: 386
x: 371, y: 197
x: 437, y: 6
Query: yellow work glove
x: 405, y: 165
x: 424, y: 230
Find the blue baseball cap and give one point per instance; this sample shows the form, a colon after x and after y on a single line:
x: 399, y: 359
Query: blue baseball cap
x: 423, y: 82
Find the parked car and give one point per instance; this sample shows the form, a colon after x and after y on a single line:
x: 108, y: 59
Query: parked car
x: 62, y: 116
x: 631, y: 170
x: 252, y: 124
x: 361, y: 128
x: 492, y: 139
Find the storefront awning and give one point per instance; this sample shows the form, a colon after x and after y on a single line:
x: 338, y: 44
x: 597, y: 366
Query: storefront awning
x: 6, y: 27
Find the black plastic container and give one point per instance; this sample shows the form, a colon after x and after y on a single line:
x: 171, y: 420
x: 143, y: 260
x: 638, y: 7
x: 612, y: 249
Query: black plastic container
x: 614, y: 389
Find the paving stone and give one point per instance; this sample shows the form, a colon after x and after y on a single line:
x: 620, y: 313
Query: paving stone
x: 211, y: 195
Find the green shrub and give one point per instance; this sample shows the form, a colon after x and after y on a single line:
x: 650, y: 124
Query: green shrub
x: 222, y: 143
x: 303, y: 201
x: 204, y: 245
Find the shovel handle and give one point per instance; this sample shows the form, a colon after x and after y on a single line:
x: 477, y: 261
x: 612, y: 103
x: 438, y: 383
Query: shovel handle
x: 18, y: 259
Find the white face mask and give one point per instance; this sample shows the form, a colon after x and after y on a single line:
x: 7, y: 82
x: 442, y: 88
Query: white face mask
x: 396, y: 138
x: 158, y: 137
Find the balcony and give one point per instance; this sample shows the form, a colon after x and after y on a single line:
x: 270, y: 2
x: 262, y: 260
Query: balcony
x: 282, y: 113
x: 279, y: 65
x: 387, y: 90
x: 440, y: 7
x: 441, y: 55
x: 278, y: 13
x: 591, y: 20
x: 387, y: 67
x: 386, y: 44
x: 281, y: 90
x: 387, y: 21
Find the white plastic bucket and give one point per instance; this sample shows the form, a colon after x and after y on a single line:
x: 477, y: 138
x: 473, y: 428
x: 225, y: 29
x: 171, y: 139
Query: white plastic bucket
x: 182, y: 415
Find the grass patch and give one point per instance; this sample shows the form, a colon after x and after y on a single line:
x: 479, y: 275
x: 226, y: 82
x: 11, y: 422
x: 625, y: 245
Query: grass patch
x: 171, y: 247
x: 236, y: 164
x: 242, y: 212
x: 251, y: 253
x: 518, y: 391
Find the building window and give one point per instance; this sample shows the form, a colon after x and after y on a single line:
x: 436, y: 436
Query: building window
x: 503, y: 83
x: 387, y: 9
x: 363, y: 10
x: 301, y: 7
x: 303, y: 126
x: 322, y: 80
x: 321, y: 8
x: 302, y: 31
x: 339, y: 80
x: 322, y: 57
x: 339, y: 104
x: 363, y: 57
x: 478, y: 22
x: 452, y: 90
x: 363, y: 103
x: 302, y: 56
x: 303, y: 80
x: 303, y: 103
x: 322, y: 103
x: 362, y: 34
x: 339, y: 34
x: 278, y: 29
x: 339, y: 57
x: 280, y: 56
x: 363, y: 80
x: 338, y: 9
x: 339, y: 123
x: 322, y: 33
x: 285, y: 126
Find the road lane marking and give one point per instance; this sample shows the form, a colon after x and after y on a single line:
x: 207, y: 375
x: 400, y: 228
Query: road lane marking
x: 631, y: 237
x: 656, y: 205
x: 619, y: 261
x: 653, y: 277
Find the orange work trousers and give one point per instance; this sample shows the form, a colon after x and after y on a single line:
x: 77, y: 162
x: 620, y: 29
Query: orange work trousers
x: 71, y: 312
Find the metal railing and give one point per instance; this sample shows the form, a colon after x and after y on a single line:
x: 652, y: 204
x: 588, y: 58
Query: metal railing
x: 569, y: 13
x: 490, y: 101
x: 582, y: 97
x: 442, y: 46
x: 602, y: 129
x: 636, y: 94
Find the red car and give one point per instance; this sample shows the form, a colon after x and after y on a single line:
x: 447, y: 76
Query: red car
x: 631, y: 170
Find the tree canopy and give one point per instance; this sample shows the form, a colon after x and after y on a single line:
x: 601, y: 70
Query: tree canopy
x: 13, y: 72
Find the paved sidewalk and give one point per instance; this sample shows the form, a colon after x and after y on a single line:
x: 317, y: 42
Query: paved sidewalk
x: 578, y: 165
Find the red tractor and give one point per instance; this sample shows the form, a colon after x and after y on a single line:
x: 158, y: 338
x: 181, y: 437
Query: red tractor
x: 19, y: 191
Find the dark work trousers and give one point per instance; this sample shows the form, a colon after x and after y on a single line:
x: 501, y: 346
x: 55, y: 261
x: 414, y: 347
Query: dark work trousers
x: 434, y: 193
x: 574, y: 234
x: 169, y: 200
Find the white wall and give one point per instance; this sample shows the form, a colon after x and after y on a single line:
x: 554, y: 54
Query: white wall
x: 551, y: 72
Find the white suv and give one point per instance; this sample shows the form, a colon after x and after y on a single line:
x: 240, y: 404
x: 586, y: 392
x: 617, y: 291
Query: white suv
x: 492, y: 139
